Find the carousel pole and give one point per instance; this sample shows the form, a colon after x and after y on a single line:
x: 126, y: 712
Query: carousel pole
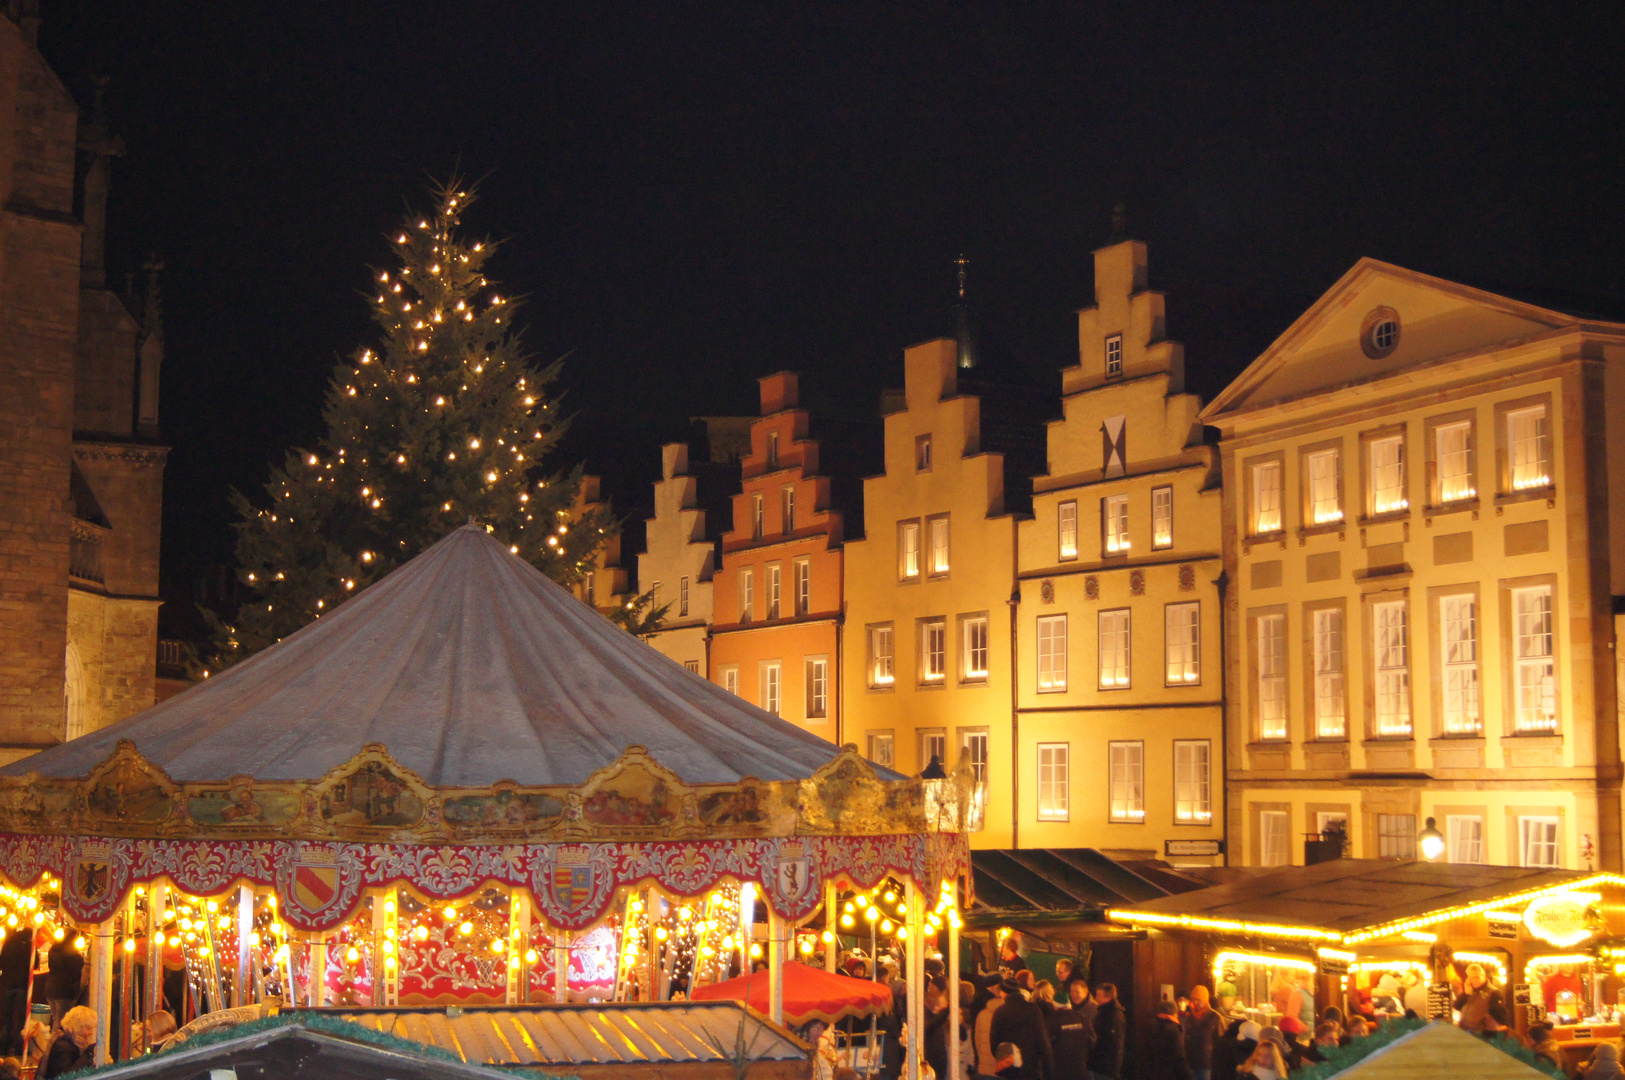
x: 775, y: 964
x: 915, y: 979
x: 518, y: 942
x: 101, y: 988
x: 385, y: 984
x: 126, y: 980
x: 561, y: 966
x: 243, y: 985
x: 316, y: 978
x: 955, y: 1067
x: 157, y: 900
x: 831, y: 947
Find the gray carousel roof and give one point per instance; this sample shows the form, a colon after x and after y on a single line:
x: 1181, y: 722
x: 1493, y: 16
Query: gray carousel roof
x: 470, y: 666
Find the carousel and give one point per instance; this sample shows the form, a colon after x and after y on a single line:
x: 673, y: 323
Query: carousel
x: 462, y: 786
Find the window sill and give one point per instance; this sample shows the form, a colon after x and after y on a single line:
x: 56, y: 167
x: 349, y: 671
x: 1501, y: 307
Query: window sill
x: 1458, y: 506
x: 937, y: 685
x: 1385, y: 517
x: 1462, y: 739
x: 978, y: 681
x: 1388, y: 740
x: 892, y: 689
x: 1548, y: 492
x: 1323, y: 529
x: 1534, y: 738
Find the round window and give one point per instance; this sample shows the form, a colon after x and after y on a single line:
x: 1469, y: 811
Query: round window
x: 1380, y: 334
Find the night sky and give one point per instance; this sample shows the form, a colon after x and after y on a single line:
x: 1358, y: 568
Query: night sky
x: 693, y: 195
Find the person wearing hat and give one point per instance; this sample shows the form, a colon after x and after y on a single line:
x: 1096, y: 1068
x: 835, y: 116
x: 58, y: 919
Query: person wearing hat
x: 982, y: 1037
x: 1202, y: 1026
x: 1604, y: 1064
x: 1165, y: 1047
x: 1022, y: 1022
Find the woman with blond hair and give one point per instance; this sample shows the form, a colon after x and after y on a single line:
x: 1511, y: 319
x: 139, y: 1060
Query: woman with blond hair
x: 1265, y: 1064
x: 75, y: 1047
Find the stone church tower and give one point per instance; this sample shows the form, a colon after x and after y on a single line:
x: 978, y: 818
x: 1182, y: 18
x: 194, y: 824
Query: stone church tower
x: 81, y: 471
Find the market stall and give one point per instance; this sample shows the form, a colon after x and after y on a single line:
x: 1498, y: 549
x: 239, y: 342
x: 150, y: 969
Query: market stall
x: 435, y: 791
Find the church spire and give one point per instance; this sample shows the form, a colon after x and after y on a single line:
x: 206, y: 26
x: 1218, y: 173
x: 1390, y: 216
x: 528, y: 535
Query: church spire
x: 964, y: 332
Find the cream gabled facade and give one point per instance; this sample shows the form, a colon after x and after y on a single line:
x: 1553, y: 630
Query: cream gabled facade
x: 678, y: 563
x: 926, y: 646
x: 1120, y: 706
x: 1425, y: 539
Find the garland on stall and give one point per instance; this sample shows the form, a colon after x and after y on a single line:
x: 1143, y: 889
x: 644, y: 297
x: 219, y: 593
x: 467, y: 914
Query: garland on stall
x: 1341, y: 1058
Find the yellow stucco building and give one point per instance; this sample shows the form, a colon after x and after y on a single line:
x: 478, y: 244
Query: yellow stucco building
x: 1425, y: 545
x: 678, y: 563
x: 1120, y: 709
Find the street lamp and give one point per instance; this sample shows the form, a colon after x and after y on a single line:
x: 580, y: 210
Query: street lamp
x: 1432, y: 841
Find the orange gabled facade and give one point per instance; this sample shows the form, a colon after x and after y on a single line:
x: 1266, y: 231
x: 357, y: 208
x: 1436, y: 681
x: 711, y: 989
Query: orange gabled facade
x: 776, y: 634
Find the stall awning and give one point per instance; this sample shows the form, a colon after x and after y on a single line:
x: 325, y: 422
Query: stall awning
x: 1046, y: 881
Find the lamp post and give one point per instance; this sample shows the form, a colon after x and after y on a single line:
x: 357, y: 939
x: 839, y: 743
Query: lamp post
x: 1431, y: 841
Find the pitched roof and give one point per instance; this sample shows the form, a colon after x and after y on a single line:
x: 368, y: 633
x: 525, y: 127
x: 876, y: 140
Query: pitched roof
x: 470, y: 666
x: 1439, y: 1049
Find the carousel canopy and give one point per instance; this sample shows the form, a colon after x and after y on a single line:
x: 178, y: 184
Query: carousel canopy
x: 470, y: 666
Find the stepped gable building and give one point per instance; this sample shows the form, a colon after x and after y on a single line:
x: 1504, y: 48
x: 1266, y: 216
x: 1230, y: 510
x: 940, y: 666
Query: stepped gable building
x: 679, y: 563
x: 1119, y: 718
x: 1424, y: 532
x: 776, y: 635
x: 81, y: 504
x: 605, y: 585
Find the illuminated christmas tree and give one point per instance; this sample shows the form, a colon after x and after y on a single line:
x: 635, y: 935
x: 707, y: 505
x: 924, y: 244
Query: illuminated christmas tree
x: 443, y: 424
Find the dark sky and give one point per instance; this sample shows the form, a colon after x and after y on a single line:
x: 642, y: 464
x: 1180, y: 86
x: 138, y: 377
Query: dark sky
x: 696, y: 194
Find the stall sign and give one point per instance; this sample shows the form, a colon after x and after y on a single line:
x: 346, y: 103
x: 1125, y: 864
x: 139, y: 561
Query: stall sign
x: 1559, y: 918
x: 1193, y: 847
x: 1503, y: 927
x: 1520, y: 993
x: 1440, y: 1001
x: 1332, y: 965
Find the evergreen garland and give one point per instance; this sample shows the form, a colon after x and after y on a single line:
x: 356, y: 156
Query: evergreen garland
x: 1341, y: 1058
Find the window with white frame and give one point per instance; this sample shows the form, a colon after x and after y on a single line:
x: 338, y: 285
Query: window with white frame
x: 1182, y: 637
x: 933, y: 650
x: 1464, y: 838
x: 772, y: 683
x: 881, y: 659
x: 1452, y: 458
x: 1127, y: 781
x: 908, y: 550
x: 747, y: 595
x: 1193, y: 782
x: 758, y: 516
x: 816, y: 674
x: 803, y: 585
x: 1054, y: 784
x: 787, y: 508
x: 1391, y: 656
x: 1114, y: 355
x: 772, y: 449
x: 730, y: 680
x: 1528, y: 456
x: 1387, y: 474
x: 1396, y: 836
x: 1114, y: 511
x: 922, y: 453
x: 682, y: 597
x: 1271, y: 660
x: 591, y: 589
x: 1067, y: 526
x: 1325, y: 505
x: 1537, y: 841
x: 774, y: 583
x: 692, y: 665
x: 1267, y: 497
x: 1162, y: 517
x: 1114, y: 649
x: 933, y: 744
x: 881, y: 748
x: 973, y: 744
x: 1052, y: 653
x: 1458, y: 626
x: 1274, y: 838
x: 1331, y: 698
x: 654, y: 594
x: 939, y: 546
x: 1536, y: 672
x: 975, y: 648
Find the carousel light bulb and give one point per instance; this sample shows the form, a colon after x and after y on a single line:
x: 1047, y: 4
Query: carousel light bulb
x: 466, y: 929
x: 389, y: 932
x: 660, y: 933
x: 389, y: 963
x: 158, y: 937
x: 79, y: 943
x: 204, y: 951
x: 849, y: 908
x: 828, y: 937
x: 755, y: 950
x: 59, y: 933
x: 39, y: 918
x: 420, y: 933
x: 185, y: 924
x: 530, y: 956
x: 806, y: 946
x: 225, y: 922
x: 513, y: 960
x: 191, y: 935
x: 352, y: 954
x: 389, y: 948
x: 885, y: 926
x: 451, y: 913
x: 129, y: 944
x: 846, y: 921
x: 872, y: 914
x: 498, y: 945
x: 214, y: 905
x: 891, y: 896
x: 389, y: 907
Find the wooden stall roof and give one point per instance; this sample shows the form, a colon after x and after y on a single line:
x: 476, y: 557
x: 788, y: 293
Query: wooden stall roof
x: 1039, y: 880
x: 1439, y: 1050
x: 1344, y: 897
x: 562, y: 1038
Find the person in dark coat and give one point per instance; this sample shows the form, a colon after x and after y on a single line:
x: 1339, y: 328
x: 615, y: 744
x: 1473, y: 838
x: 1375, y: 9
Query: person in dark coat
x: 1165, y: 1046
x: 1234, y: 1047
x: 1202, y: 1026
x: 75, y: 1047
x: 15, y: 957
x: 1021, y: 1022
x: 1106, y: 1056
x: 1071, y: 1034
x: 66, y: 979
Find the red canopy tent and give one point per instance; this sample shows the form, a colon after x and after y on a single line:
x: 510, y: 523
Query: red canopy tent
x: 809, y: 994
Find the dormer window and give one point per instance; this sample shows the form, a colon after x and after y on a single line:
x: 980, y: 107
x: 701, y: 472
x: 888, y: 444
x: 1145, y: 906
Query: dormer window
x: 772, y: 449
x: 922, y: 454
x: 1379, y: 334
x: 1114, y: 356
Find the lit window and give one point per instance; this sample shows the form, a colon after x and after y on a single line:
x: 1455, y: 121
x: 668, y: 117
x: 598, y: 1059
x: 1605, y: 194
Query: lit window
x: 1396, y: 836
x: 817, y: 680
x: 1527, y: 448
x: 1114, y: 649
x: 1267, y: 497
x: 787, y: 508
x: 881, y: 672
x: 1274, y: 838
x: 1453, y: 459
x: 1067, y: 526
x: 1162, y: 517
x: 1052, y: 652
x: 1324, y: 505
x: 933, y: 744
x: 973, y: 744
x: 933, y: 650
x: 880, y: 748
x: 692, y: 665
x: 772, y: 449
x: 1114, y: 355
x: 1114, y: 509
x: 773, y: 582
x: 1272, y: 677
x: 591, y: 589
x: 1537, y: 683
x: 682, y: 597
x: 1391, y: 649
x: 803, y: 585
x: 1127, y: 781
x: 1537, y: 841
x: 1388, y: 475
x: 922, y: 453
x: 1464, y: 838
x: 1054, y: 787
x: 1193, y: 782
x: 758, y: 516
x: 772, y: 686
x: 1458, y: 625
x: 1331, y: 701
x: 976, y: 648
x: 908, y: 550
x: 1183, y: 642
x: 939, y: 546
x: 747, y: 595
x: 730, y: 680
